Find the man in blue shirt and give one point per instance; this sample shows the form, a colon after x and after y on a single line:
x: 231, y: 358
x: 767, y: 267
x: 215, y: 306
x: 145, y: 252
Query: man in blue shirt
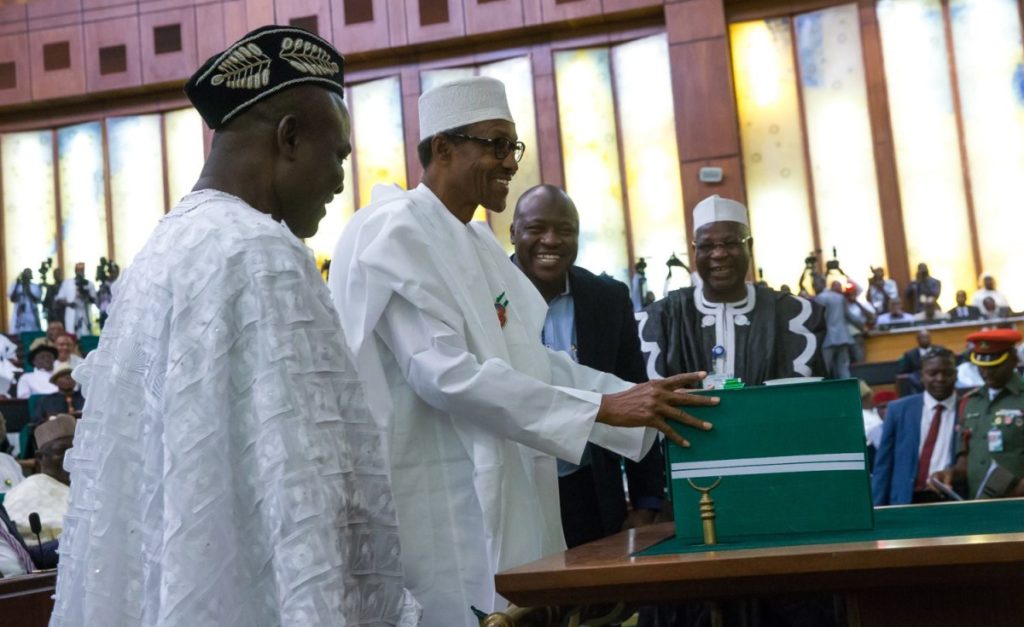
x: 590, y: 318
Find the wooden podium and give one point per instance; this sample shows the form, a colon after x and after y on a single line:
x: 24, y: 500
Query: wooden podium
x: 955, y: 580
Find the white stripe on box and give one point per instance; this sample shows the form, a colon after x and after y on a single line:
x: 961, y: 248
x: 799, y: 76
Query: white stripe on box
x: 769, y: 469
x: 763, y: 461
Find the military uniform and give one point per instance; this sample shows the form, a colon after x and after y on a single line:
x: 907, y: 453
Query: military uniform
x: 993, y: 431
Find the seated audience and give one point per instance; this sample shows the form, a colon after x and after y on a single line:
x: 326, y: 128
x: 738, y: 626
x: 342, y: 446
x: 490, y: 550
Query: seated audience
x: 54, y: 330
x: 66, y: 400
x: 67, y: 353
x: 910, y: 361
x: 38, y: 381
x: 963, y: 311
x: 988, y: 290
x: 881, y: 291
x: 10, y: 470
x: 992, y: 311
x: 930, y: 312
x: 895, y: 315
x: 918, y: 436
x: 923, y: 286
x: 15, y: 557
x: 45, y: 492
x: 990, y: 455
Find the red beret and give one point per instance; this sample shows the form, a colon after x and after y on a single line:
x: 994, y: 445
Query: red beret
x: 884, y: 396
x: 991, y: 346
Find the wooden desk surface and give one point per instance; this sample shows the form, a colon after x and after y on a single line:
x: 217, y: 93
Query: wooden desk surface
x: 890, y: 345
x: 605, y: 570
x: 25, y: 600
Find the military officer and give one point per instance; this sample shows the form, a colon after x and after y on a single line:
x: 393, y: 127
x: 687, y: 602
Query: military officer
x: 990, y: 438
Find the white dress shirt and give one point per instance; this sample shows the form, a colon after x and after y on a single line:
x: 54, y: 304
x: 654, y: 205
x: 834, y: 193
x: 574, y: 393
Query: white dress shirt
x: 942, y: 453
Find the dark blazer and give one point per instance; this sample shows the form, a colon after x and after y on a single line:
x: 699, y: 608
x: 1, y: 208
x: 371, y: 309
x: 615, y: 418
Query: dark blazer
x: 910, y: 362
x: 56, y: 403
x: 607, y: 340
x: 895, y: 470
x: 973, y: 313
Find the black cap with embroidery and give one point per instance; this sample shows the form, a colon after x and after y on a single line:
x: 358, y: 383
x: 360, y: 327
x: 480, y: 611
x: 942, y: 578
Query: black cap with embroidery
x: 259, y: 65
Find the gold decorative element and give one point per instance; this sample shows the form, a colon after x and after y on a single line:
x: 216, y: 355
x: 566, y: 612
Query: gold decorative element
x: 308, y: 57
x: 707, y: 510
x: 247, y: 67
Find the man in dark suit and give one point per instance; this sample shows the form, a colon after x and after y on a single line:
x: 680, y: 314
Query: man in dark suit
x: 963, y: 311
x: 918, y: 436
x: 591, y: 318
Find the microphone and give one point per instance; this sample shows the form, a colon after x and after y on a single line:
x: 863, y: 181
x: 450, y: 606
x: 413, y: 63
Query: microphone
x: 37, y: 528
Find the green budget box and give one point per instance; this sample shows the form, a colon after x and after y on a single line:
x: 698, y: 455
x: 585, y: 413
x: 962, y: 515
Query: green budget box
x: 791, y: 460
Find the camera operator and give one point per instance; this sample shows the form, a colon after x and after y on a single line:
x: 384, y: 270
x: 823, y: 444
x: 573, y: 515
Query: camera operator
x: 26, y: 297
x: 77, y: 295
x: 51, y: 310
x: 106, y: 274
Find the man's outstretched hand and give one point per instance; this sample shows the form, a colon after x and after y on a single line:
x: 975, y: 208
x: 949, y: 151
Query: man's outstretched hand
x: 653, y: 403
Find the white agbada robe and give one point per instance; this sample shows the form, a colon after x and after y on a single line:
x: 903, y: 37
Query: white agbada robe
x: 77, y: 313
x: 43, y: 495
x: 227, y: 470
x: 476, y: 413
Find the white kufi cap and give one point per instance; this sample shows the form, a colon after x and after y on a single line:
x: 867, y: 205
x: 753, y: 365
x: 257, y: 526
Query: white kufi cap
x: 461, y: 102
x: 718, y: 209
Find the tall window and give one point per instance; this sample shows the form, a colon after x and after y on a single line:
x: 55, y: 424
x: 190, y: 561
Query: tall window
x: 806, y: 138
x: 620, y: 156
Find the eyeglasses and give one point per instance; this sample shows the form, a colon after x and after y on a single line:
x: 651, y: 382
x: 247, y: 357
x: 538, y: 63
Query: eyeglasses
x: 732, y: 246
x: 502, y: 146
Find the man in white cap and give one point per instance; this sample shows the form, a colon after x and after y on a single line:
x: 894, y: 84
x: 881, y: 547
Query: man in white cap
x: 447, y: 335
x: 728, y: 326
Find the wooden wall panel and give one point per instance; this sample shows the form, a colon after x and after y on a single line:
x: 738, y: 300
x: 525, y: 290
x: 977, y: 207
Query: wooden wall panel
x: 454, y: 27
x: 14, y: 49
x: 13, y: 19
x: 545, y: 96
x: 113, y: 12
x: 258, y: 13
x: 235, y: 21
x: 57, y: 83
x: 532, y: 13
x: 47, y: 8
x: 706, y: 120
x: 493, y: 16
x: 410, y: 81
x: 103, y: 4
x: 169, y: 66
x: 287, y: 10
x: 363, y: 36
x: 616, y: 6
x: 894, y: 236
x: 122, y: 31
x: 154, y: 6
x: 553, y: 11
x: 398, y: 31
x: 210, y: 35
x: 694, y: 19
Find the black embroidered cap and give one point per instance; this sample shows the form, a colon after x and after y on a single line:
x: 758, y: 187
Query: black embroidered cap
x: 259, y: 65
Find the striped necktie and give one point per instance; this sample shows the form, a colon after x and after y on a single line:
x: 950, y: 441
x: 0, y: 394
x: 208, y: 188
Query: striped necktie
x: 19, y: 549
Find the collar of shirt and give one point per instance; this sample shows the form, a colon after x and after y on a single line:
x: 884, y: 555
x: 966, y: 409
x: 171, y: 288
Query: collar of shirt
x: 930, y: 402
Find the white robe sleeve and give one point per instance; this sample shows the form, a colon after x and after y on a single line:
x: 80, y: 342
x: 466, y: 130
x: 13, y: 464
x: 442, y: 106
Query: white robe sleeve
x: 439, y: 367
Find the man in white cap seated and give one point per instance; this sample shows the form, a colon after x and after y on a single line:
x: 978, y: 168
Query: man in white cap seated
x: 447, y: 335
x: 728, y: 326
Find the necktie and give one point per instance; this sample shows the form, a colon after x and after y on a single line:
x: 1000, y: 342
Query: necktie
x: 19, y: 550
x: 924, y: 461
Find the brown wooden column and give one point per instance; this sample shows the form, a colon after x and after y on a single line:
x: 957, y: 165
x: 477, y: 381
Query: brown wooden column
x: 707, y: 124
x: 545, y: 96
x: 893, y: 232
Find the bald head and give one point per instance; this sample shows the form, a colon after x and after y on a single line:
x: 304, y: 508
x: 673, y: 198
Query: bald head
x: 545, y: 232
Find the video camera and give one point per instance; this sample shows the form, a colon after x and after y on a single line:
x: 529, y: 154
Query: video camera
x: 44, y: 268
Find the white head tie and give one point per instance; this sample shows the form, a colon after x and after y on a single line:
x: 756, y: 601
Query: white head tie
x: 718, y: 209
x: 462, y: 102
